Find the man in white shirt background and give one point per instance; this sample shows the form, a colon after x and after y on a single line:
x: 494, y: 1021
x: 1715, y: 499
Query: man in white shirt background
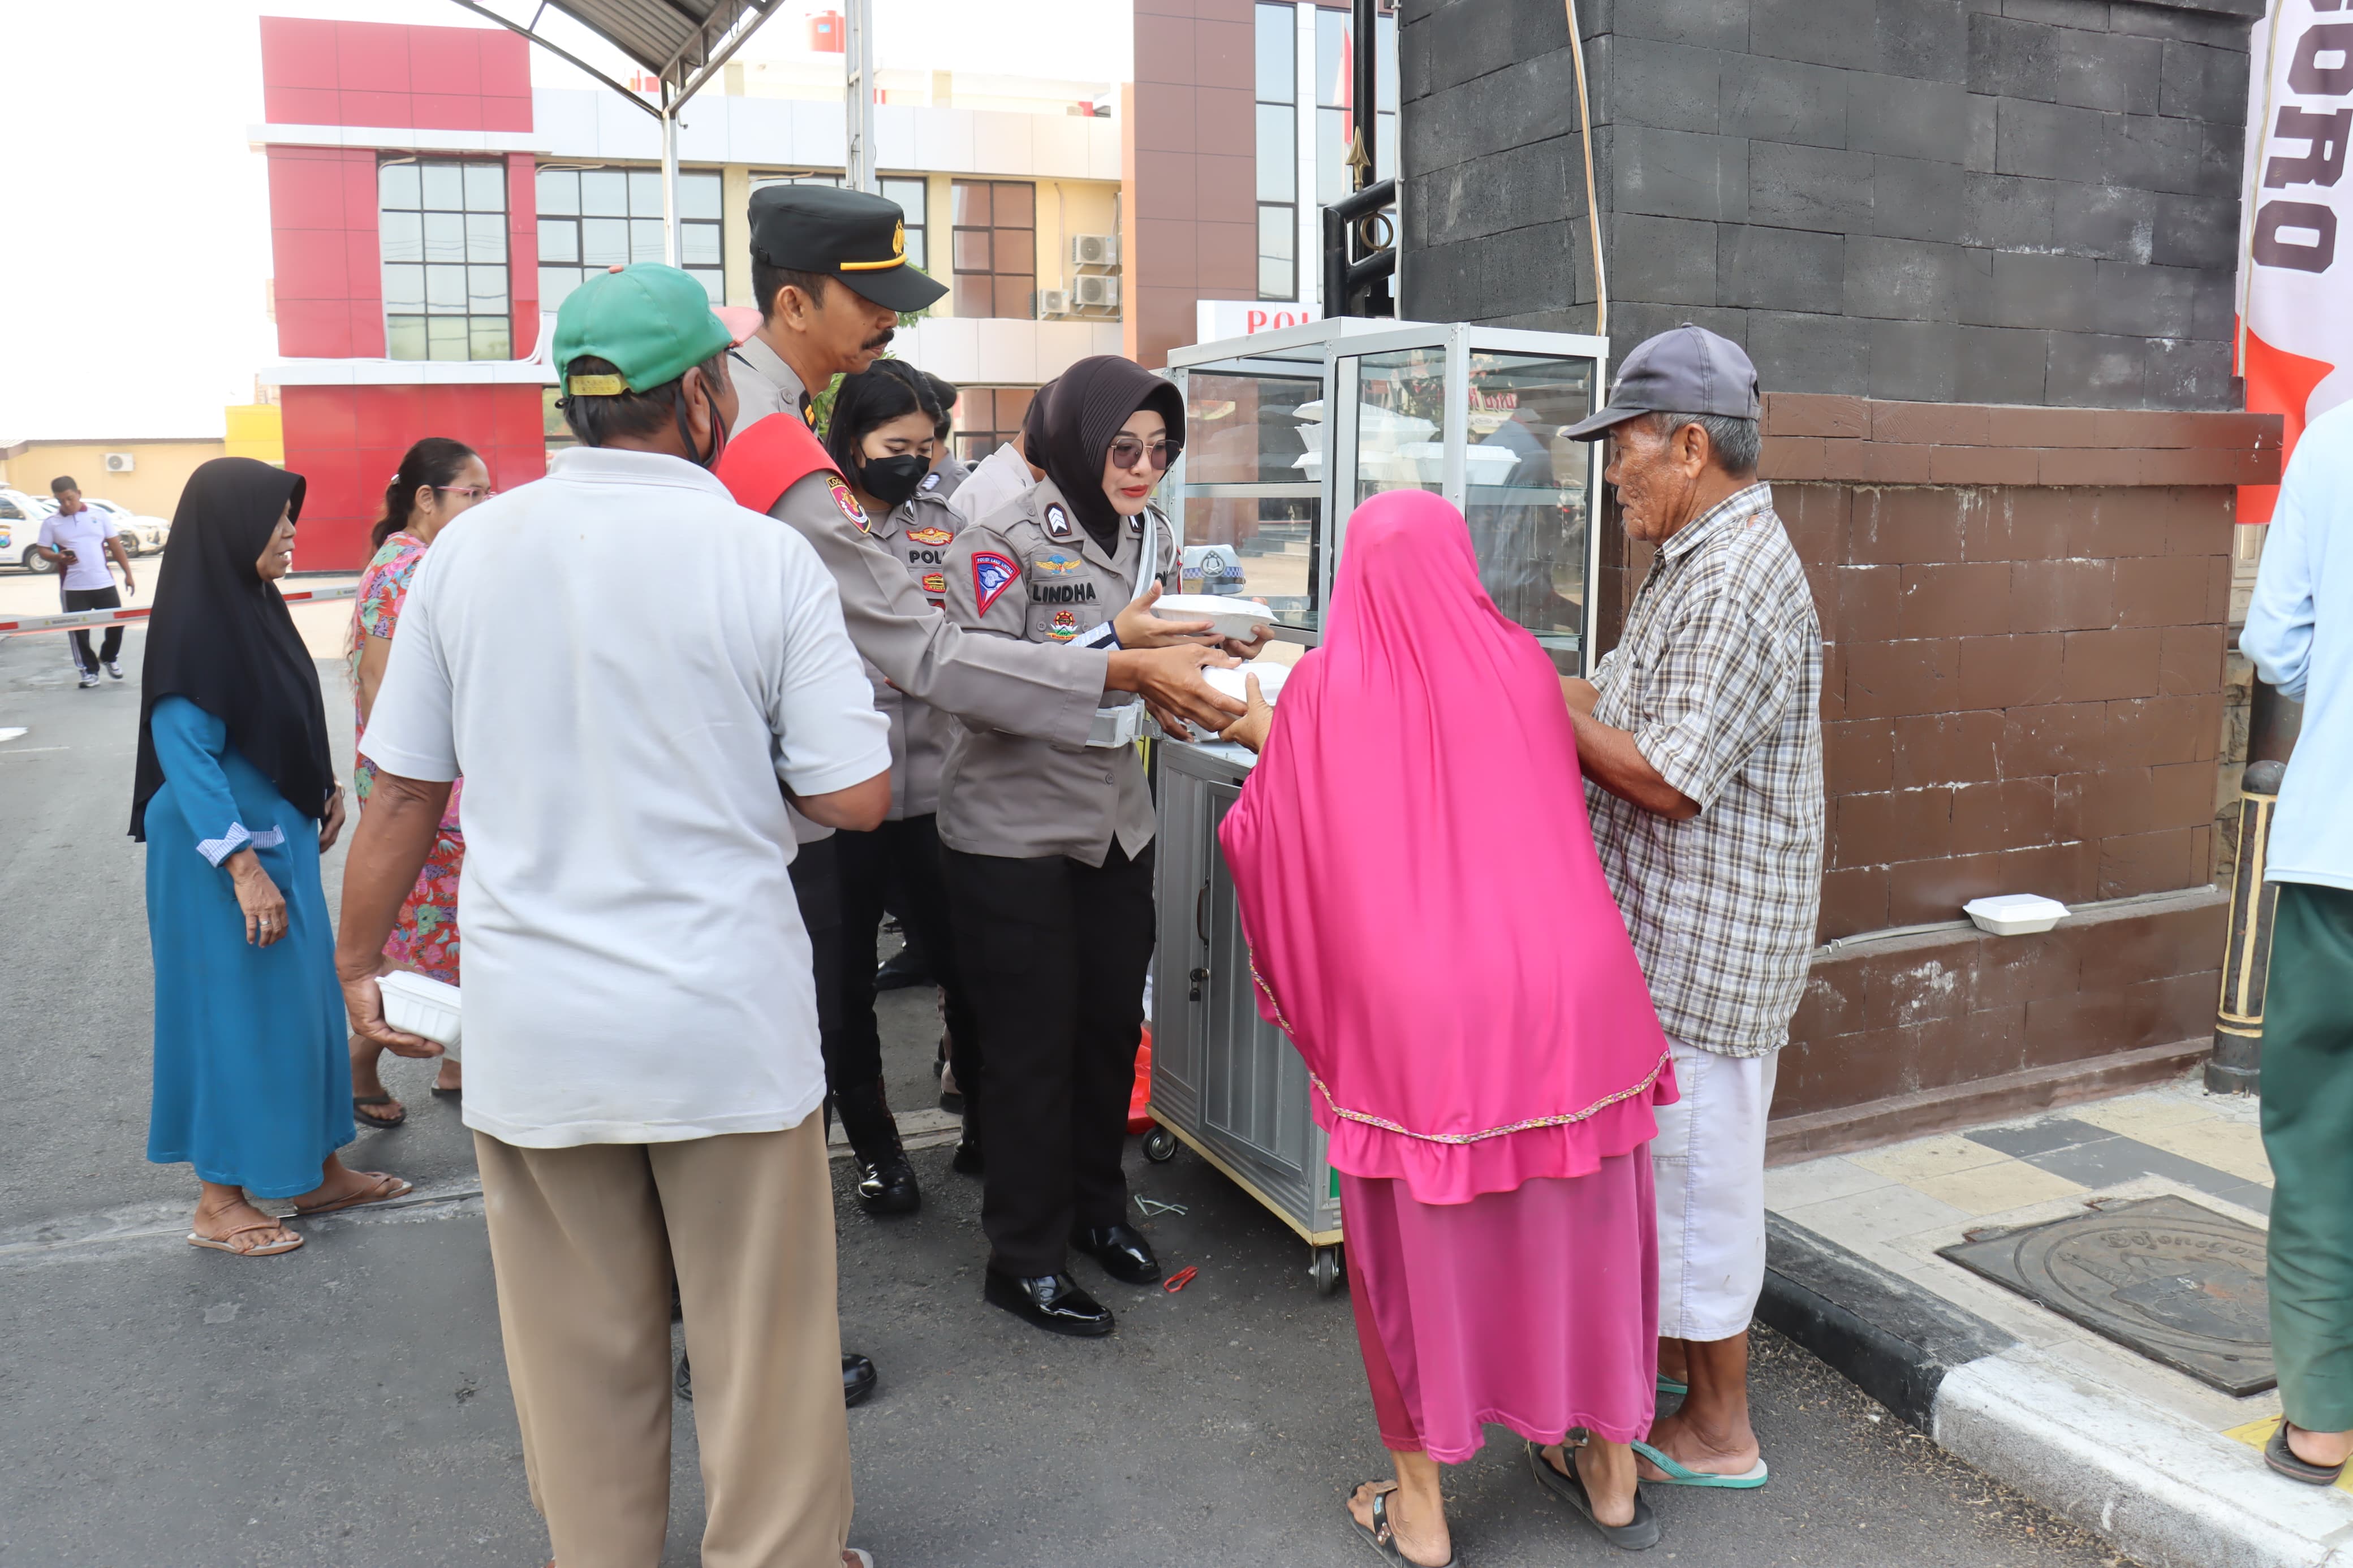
x: 79, y: 538
x: 643, y: 1074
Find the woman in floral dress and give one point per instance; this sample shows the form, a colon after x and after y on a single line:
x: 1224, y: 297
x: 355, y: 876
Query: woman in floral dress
x: 438, y: 480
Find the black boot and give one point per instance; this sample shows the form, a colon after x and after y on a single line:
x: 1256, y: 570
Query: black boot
x: 886, y: 1183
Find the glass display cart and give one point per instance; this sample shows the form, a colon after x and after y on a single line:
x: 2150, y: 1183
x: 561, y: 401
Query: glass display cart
x: 1286, y: 433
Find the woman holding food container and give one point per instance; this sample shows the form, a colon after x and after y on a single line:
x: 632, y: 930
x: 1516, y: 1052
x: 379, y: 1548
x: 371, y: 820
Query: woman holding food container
x: 1049, y: 850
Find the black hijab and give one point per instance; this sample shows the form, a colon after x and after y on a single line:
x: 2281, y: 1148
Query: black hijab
x: 221, y: 636
x: 1083, y: 410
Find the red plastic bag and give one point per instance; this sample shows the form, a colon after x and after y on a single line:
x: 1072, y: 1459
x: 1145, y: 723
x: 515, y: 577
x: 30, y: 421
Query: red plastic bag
x: 1139, y: 1119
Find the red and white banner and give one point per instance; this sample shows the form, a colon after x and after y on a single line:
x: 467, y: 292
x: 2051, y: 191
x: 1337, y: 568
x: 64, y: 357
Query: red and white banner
x: 2295, y: 223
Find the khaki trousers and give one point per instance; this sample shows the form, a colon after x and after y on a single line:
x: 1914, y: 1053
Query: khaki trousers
x: 585, y: 1241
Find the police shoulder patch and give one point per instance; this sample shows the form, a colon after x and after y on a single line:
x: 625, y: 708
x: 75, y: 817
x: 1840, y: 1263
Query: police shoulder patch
x: 848, y: 503
x: 1058, y: 522
x: 991, y: 575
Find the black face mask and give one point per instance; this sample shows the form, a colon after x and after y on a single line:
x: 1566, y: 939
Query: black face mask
x: 893, y: 479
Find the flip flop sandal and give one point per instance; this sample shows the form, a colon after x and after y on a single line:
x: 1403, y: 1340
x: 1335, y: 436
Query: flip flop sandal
x: 440, y: 1093
x: 1669, y: 1385
x: 2283, y: 1459
x: 1640, y: 1534
x: 364, y: 1119
x: 372, y: 1195
x: 228, y: 1242
x: 1382, y: 1536
x: 1680, y: 1475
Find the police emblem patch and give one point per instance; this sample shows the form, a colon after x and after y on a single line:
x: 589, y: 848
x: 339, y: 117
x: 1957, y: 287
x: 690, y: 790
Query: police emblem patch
x: 935, y: 583
x: 1058, y: 522
x: 848, y: 503
x: 991, y: 575
x: 930, y: 536
x: 1064, y: 626
x: 1057, y: 565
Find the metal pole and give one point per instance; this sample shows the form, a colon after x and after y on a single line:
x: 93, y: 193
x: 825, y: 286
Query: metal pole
x: 858, y: 63
x: 1366, y: 90
x: 669, y: 176
x: 2235, y: 1068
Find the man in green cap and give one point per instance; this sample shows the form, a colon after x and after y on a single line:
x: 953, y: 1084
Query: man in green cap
x: 626, y: 664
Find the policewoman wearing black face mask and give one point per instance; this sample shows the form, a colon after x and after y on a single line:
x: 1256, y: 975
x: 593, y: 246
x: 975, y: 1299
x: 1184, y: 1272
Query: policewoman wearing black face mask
x: 879, y: 436
x: 1050, y: 848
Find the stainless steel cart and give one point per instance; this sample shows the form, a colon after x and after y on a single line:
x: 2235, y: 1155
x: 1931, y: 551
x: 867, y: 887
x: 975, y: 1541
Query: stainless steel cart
x: 1286, y: 432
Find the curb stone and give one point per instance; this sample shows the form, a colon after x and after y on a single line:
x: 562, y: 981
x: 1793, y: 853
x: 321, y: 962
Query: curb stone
x: 2167, y: 1492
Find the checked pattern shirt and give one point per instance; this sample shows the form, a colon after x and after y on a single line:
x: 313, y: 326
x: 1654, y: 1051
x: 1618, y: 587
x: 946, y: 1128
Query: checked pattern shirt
x: 1719, y: 679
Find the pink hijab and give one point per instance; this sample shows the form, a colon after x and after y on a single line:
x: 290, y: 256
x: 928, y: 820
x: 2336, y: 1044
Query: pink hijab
x: 1426, y: 919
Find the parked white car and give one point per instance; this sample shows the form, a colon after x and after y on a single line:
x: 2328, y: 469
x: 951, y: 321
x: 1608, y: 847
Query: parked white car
x: 22, y: 514
x: 140, y: 535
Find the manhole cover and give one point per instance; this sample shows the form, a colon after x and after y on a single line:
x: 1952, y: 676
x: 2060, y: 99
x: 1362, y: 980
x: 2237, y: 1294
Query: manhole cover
x: 2180, y: 1284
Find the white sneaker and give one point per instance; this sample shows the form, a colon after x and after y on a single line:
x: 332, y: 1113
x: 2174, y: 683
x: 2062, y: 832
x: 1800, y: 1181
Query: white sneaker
x: 114, y: 667
x: 88, y: 679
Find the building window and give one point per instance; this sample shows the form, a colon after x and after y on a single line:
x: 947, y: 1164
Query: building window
x: 590, y: 219
x: 443, y: 229
x: 987, y: 418
x: 1278, y: 153
x: 995, y: 248
x: 1336, y: 71
x: 908, y: 194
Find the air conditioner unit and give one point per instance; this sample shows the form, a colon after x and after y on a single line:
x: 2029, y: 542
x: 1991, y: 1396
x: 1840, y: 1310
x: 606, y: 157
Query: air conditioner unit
x: 121, y: 462
x: 1102, y: 291
x: 1053, y: 302
x: 1094, y: 249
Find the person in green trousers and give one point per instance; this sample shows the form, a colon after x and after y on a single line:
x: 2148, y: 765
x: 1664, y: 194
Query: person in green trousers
x: 2299, y: 634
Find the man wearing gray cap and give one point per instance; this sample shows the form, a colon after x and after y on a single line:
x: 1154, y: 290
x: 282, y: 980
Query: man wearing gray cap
x: 1700, y: 735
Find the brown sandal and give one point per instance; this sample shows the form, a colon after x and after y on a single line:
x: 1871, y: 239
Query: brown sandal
x: 228, y: 1242
x: 382, y: 1123
x: 365, y: 1196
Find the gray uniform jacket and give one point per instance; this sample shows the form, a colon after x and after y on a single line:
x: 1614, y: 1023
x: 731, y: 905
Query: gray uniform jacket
x: 1029, y: 572
x: 1049, y: 692
x: 918, y: 532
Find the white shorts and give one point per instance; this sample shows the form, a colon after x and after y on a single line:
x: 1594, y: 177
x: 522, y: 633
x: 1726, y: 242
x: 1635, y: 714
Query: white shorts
x: 1709, y: 1167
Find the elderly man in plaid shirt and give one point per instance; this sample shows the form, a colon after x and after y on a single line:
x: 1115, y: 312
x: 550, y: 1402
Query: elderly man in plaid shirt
x: 1700, y: 740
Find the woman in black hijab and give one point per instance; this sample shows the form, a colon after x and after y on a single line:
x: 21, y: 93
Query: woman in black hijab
x: 236, y: 799
x: 1049, y: 847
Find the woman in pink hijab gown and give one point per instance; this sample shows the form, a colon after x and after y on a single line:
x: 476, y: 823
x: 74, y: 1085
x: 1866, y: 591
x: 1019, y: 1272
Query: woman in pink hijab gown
x: 1429, y: 924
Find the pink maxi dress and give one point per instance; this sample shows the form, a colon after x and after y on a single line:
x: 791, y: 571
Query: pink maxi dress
x: 1429, y: 924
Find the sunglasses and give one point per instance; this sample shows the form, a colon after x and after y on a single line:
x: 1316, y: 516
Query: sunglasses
x: 472, y: 492
x: 1127, y: 451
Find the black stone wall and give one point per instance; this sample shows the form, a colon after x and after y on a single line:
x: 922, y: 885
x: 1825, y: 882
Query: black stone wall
x: 1975, y: 201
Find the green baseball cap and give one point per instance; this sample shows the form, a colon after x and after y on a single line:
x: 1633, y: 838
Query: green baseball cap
x: 653, y: 322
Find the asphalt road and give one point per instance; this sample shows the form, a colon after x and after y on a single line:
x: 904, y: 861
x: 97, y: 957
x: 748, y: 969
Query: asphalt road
x: 348, y: 1405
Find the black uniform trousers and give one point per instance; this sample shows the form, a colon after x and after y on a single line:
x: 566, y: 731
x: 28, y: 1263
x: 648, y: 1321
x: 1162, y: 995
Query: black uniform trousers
x: 899, y: 860
x: 817, y: 882
x: 110, y: 641
x: 1053, y: 953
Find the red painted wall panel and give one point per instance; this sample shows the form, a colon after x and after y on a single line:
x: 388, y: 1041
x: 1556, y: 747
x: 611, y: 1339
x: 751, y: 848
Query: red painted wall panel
x: 382, y: 73
x: 345, y: 441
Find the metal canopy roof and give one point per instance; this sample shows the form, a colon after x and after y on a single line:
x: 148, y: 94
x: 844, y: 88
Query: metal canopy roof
x: 681, y: 42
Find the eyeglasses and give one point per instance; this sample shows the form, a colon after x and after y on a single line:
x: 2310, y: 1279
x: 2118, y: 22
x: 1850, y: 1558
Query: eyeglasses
x: 472, y: 492
x: 1127, y: 451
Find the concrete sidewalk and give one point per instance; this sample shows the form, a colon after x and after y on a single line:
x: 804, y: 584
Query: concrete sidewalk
x: 2159, y: 1463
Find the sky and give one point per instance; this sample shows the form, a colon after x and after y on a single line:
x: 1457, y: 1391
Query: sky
x: 134, y: 277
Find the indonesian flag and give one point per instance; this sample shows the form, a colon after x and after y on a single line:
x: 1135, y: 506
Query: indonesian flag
x: 2296, y: 224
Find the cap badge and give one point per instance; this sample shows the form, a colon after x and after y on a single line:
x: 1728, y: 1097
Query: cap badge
x: 1058, y: 522
x: 898, y: 240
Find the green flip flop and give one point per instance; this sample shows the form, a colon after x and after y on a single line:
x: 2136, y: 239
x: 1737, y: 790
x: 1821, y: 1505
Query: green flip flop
x: 1669, y: 1385
x: 1676, y: 1474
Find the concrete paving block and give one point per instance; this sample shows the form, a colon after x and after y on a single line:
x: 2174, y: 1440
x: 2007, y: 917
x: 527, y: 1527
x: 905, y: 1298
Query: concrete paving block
x: 2002, y: 365
x: 1675, y: 174
x: 1826, y: 31
x: 1812, y: 354
x: 2204, y: 83
x: 1882, y: 1214
x: 1716, y: 24
x: 2104, y: 71
x: 2148, y: 301
x: 2189, y: 375
x: 2208, y: 1409
x: 2113, y: 223
x: 2232, y: 1146
x: 1917, y: 198
x: 2006, y: 212
x: 1907, y: 119
x: 1817, y: 189
x: 2005, y: 1189
x: 2149, y: 152
x: 1666, y: 259
x: 2169, y: 1494
x: 1925, y: 43
x: 2140, y: 1115
x: 2196, y: 231
x: 1906, y: 280
x: 1670, y: 87
x: 2048, y: 140
x: 2089, y: 370
x: 1924, y: 1158
x: 2010, y: 57
x: 1818, y: 1180
x: 1915, y: 361
x: 1784, y: 101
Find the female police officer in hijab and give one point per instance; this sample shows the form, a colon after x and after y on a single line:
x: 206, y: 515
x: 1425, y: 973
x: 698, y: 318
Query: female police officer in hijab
x: 1049, y: 850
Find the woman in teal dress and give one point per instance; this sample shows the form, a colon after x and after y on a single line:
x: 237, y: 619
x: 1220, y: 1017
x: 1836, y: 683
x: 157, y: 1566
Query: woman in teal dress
x: 236, y: 800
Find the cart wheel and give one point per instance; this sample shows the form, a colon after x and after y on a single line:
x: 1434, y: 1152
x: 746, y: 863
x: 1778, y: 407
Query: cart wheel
x: 1160, y: 1145
x: 1325, y: 1264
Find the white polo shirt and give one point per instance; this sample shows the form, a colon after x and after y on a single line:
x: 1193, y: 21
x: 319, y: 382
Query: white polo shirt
x: 623, y: 662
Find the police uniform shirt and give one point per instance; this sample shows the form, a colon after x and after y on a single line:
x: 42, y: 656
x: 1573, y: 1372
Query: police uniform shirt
x: 943, y: 481
x: 765, y: 385
x: 1030, y: 573
x: 995, y: 482
x: 919, y: 532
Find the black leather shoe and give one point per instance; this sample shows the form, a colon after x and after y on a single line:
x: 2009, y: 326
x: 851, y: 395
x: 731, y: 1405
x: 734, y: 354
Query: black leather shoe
x: 1121, y: 1250
x: 685, y: 1383
x: 857, y: 1379
x: 1052, y: 1302
x: 890, y: 1188
x: 901, y: 969
x: 965, y: 1161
